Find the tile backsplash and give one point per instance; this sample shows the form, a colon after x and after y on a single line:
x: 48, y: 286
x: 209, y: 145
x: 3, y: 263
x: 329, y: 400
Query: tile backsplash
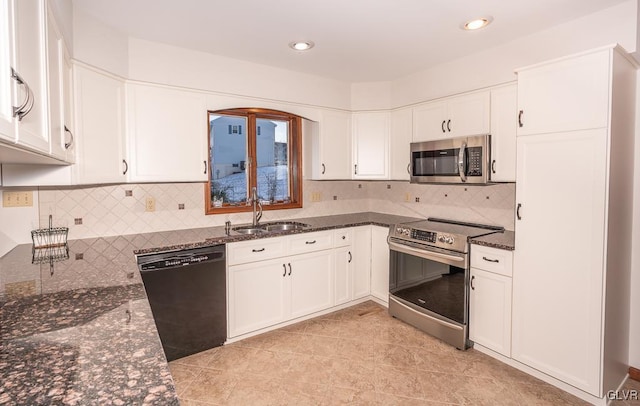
x: 110, y: 210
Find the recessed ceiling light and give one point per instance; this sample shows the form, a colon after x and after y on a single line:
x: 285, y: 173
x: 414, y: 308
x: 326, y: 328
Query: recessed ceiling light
x: 301, y: 45
x: 477, y: 23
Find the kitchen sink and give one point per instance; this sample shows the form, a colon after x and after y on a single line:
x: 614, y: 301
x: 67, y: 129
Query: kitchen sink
x: 250, y: 230
x: 283, y: 226
x: 270, y: 227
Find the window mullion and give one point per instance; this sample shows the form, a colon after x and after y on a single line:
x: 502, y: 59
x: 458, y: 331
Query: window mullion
x: 252, y: 151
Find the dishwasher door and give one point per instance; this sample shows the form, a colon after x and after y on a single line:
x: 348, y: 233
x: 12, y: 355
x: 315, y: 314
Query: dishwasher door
x: 187, y: 293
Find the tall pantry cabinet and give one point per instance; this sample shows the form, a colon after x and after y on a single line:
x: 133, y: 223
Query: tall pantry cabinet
x: 572, y: 261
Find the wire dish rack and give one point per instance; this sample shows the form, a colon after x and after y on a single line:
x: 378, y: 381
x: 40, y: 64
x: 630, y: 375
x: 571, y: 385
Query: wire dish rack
x: 50, y: 245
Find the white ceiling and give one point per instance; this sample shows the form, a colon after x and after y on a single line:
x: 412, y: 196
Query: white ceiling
x: 356, y: 40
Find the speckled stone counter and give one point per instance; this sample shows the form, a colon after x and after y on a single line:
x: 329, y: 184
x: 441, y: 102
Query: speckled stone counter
x: 504, y: 240
x: 184, y: 239
x: 80, y: 331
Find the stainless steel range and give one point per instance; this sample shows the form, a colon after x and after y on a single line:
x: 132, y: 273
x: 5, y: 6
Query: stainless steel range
x: 429, y: 276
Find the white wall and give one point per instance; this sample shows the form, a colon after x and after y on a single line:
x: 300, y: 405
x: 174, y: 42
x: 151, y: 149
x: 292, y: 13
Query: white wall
x: 159, y: 63
x: 100, y: 45
x: 370, y: 96
x: 17, y: 222
x: 495, y: 66
x: 634, y: 338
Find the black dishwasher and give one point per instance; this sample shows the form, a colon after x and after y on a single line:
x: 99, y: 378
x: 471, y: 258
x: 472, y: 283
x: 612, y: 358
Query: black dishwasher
x: 187, y: 293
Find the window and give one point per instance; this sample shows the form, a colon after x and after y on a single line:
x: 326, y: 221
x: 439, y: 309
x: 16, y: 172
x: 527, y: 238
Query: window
x: 268, y: 156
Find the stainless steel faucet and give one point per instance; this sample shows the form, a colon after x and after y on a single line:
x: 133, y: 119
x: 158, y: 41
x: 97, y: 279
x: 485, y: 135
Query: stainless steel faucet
x: 257, y: 206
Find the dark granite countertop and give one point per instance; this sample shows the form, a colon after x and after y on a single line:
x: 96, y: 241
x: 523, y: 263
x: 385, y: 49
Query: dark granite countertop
x: 80, y: 331
x: 185, y: 239
x: 504, y: 240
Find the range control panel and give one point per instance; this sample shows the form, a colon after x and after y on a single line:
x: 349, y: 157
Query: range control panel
x: 431, y: 237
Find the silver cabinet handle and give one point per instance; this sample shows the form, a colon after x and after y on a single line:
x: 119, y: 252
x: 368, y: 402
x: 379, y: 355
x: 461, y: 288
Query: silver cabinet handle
x: 26, y: 106
x: 323, y: 169
x: 126, y: 167
x: 310, y: 242
x: 471, y: 283
x: 461, y: 166
x: 491, y: 260
x: 67, y: 145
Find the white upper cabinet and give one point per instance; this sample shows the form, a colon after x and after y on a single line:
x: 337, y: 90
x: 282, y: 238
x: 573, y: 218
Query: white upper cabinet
x: 503, y: 133
x: 7, y: 84
x: 55, y: 61
x: 457, y: 116
x: 31, y: 66
x: 371, y: 145
x: 167, y: 134
x: 99, y: 102
x: 328, y: 147
x: 572, y: 94
x: 400, y: 140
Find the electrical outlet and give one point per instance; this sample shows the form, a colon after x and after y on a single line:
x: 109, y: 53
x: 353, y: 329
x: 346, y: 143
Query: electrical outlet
x: 407, y: 197
x: 316, y: 196
x: 150, y: 204
x: 17, y: 199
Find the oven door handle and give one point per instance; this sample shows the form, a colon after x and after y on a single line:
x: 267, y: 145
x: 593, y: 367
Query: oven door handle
x: 424, y: 253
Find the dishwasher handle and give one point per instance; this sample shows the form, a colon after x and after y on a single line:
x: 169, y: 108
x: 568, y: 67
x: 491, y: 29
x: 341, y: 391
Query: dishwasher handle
x: 175, y: 259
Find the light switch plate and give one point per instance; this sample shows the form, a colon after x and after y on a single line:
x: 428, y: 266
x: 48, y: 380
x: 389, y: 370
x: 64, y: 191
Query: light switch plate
x: 17, y: 199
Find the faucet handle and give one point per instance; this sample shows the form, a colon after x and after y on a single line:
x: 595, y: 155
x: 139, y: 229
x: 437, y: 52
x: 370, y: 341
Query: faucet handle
x: 259, y: 216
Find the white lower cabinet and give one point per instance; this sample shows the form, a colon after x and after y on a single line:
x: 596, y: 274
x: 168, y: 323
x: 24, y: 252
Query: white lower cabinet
x: 311, y: 279
x: 257, y: 295
x: 490, y: 298
x: 380, y: 263
x: 343, y: 275
x: 490, y: 311
x: 361, y: 286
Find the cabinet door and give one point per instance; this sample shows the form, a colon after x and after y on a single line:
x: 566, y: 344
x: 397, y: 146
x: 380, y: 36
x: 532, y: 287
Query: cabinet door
x: 7, y: 99
x: 258, y: 296
x: 429, y: 122
x: 361, y: 262
x: 380, y: 263
x: 99, y: 103
x: 558, y: 283
x: 553, y: 97
x: 490, y: 311
x: 468, y: 114
x: 335, y: 146
x: 400, y: 138
x: 55, y: 59
x: 311, y: 278
x: 67, y: 106
x: 167, y: 135
x: 504, y: 121
x: 30, y: 53
x: 343, y: 275
x: 371, y: 145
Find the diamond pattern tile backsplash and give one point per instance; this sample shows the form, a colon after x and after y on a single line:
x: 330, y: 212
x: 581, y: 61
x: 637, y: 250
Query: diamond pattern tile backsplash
x: 120, y: 209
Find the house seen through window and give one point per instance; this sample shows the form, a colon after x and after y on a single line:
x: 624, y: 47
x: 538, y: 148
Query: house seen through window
x: 254, y: 148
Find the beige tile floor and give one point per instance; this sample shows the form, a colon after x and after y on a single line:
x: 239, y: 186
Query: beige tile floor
x: 355, y: 356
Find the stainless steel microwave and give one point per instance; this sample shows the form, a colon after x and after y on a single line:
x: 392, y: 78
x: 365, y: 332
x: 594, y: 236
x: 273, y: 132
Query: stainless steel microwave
x: 454, y: 160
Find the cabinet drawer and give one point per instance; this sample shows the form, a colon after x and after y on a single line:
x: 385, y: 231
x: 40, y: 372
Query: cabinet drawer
x: 342, y: 237
x: 492, y: 259
x: 309, y: 242
x: 255, y: 250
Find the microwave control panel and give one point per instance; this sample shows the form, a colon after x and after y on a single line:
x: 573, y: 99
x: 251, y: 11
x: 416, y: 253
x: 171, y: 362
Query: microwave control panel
x: 474, y: 164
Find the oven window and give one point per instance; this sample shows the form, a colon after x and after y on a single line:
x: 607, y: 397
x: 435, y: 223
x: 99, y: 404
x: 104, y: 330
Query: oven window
x: 434, y: 286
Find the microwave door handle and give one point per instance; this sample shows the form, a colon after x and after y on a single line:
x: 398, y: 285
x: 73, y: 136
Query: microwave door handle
x: 462, y: 170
